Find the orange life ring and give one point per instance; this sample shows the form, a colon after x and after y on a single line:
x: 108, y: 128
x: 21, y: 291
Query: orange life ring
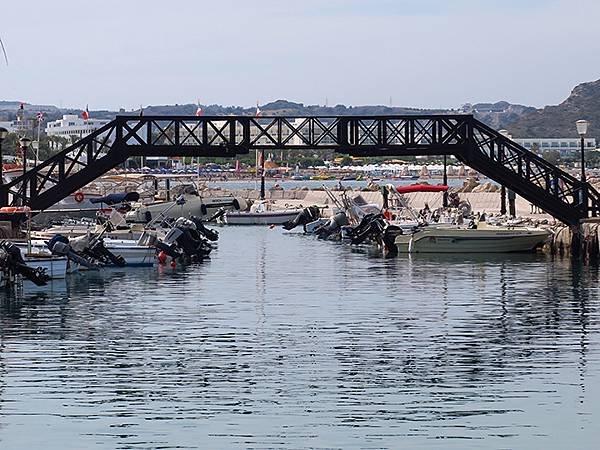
x: 14, y: 209
x: 79, y: 197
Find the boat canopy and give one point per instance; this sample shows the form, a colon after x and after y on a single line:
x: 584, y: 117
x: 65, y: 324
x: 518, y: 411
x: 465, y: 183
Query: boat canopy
x: 113, y: 199
x: 421, y: 188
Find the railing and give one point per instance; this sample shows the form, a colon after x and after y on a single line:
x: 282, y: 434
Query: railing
x: 471, y: 141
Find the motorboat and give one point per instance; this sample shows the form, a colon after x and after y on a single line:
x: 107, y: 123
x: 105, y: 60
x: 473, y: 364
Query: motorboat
x: 483, y: 239
x: 192, y: 205
x: 260, y: 213
x: 31, y: 268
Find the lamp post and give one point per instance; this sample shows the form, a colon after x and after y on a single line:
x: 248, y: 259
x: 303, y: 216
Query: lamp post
x: 445, y: 182
x: 3, y: 134
x: 582, y: 127
x: 24, y: 142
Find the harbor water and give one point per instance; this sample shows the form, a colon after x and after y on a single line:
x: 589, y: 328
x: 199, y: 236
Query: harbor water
x: 284, y: 341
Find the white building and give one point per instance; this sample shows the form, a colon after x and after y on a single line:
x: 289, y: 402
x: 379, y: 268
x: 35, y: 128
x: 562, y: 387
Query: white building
x: 10, y: 126
x: 73, y: 127
x: 565, y: 146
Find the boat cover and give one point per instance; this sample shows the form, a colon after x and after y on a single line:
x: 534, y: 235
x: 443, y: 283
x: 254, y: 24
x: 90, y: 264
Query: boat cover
x: 421, y: 188
x: 113, y: 199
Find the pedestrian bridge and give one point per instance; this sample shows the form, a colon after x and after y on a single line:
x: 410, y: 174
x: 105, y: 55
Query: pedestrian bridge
x: 469, y: 140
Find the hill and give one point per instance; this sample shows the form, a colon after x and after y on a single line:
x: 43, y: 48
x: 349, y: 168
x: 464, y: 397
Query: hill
x: 498, y: 115
x: 559, y: 120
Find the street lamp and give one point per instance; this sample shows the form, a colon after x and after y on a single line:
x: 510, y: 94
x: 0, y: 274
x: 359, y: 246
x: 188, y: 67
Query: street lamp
x: 24, y: 142
x: 3, y: 134
x: 582, y: 127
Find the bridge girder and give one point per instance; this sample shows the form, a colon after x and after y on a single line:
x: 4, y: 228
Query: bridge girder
x: 472, y: 142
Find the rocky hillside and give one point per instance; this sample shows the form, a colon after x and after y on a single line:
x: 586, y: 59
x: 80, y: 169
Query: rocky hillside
x: 559, y: 120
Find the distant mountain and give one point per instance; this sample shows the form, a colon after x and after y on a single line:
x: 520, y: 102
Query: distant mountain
x: 498, y: 115
x: 559, y: 121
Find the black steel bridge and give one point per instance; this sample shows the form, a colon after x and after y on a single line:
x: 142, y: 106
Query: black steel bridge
x: 469, y: 140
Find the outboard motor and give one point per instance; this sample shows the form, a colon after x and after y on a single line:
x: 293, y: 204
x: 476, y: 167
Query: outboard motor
x: 184, y: 239
x: 372, y: 225
x: 211, y: 235
x: 99, y: 252
x: 333, y: 226
x: 388, y: 238
x: 11, y: 260
x: 59, y: 246
x: 305, y: 216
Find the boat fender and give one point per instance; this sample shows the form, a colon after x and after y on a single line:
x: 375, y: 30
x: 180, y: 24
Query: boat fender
x: 173, y: 264
x: 162, y: 258
x: 148, y: 216
x: 79, y: 197
x: 203, y: 209
x: 236, y: 204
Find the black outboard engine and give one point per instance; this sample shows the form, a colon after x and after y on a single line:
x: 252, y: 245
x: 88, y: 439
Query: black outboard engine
x: 211, y: 235
x: 334, y: 225
x: 388, y: 238
x: 307, y: 215
x: 59, y: 246
x: 371, y: 226
x: 185, y: 240
x: 98, y: 251
x: 12, y: 261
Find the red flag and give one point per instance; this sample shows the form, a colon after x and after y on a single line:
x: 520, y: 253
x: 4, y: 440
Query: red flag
x: 199, y: 110
x: 86, y: 114
x: 258, y: 112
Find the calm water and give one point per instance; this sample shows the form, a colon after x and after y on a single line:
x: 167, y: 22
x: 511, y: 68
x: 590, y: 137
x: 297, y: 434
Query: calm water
x: 282, y: 341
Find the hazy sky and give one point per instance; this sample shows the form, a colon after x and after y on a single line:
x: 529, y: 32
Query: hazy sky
x: 422, y: 53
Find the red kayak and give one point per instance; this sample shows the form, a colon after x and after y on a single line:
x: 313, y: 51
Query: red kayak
x: 421, y: 188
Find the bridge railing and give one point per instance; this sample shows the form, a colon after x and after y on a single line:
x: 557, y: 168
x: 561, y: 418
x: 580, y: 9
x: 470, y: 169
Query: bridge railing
x: 62, y: 165
x: 330, y: 133
x: 546, y: 179
x: 470, y: 140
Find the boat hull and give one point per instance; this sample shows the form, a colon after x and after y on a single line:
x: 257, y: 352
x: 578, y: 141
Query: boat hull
x: 456, y: 240
x: 260, y: 218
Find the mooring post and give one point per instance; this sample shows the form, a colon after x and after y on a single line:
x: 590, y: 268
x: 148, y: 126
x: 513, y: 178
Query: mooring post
x: 168, y: 188
x: 512, y: 197
x: 502, y: 200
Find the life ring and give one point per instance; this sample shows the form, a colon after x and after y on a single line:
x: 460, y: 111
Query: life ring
x: 79, y: 197
x: 14, y: 209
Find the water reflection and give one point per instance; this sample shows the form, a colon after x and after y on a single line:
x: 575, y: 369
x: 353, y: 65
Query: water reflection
x: 285, y: 341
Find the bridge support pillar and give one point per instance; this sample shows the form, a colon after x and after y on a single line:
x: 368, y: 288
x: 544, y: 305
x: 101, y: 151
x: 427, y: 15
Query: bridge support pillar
x: 502, y: 200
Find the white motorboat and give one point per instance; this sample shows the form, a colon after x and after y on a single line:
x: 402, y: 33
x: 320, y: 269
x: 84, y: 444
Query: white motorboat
x: 261, y: 214
x: 55, y: 266
x: 37, y: 254
x: 186, y: 206
x: 134, y: 254
x: 484, y: 239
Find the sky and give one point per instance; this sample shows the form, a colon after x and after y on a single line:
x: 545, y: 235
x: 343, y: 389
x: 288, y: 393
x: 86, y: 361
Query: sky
x: 419, y: 53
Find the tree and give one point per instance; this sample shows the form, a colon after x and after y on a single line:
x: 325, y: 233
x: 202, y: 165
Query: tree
x: 552, y: 156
